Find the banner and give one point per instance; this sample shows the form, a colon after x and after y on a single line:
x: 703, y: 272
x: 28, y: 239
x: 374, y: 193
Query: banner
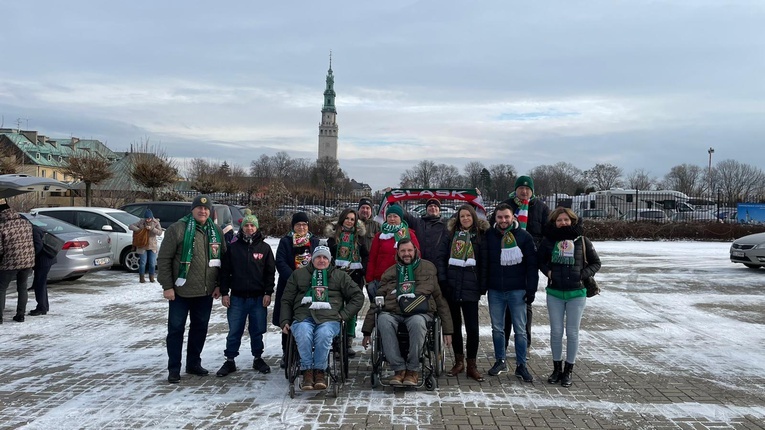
x: 469, y: 196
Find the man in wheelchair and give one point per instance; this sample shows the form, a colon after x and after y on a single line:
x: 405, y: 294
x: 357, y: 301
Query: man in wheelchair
x: 317, y: 297
x: 411, y: 296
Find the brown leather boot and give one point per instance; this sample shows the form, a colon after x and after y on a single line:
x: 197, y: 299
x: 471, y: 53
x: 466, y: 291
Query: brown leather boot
x: 307, y: 383
x: 459, y: 365
x: 142, y: 279
x: 319, y: 381
x: 472, y: 370
x: 151, y: 278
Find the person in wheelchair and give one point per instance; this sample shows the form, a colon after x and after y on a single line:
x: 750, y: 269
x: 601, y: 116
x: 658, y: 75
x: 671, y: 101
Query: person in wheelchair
x: 316, y: 298
x: 402, y: 286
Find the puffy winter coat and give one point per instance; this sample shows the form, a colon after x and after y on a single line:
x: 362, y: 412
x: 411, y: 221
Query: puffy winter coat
x: 330, y: 231
x: 383, y: 255
x: 17, y: 248
x: 464, y: 284
x: 372, y: 227
x: 522, y: 276
x: 249, y: 268
x: 567, y: 277
x: 285, y: 265
x: 154, y: 231
x: 430, y: 232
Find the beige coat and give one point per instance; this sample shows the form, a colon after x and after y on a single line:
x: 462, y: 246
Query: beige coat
x: 154, y: 230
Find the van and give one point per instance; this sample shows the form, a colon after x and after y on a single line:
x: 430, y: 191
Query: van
x: 170, y: 212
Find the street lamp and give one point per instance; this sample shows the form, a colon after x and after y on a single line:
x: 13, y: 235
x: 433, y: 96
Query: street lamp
x: 710, y: 151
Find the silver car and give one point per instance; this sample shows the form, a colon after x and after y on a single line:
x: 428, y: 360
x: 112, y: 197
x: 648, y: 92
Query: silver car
x: 83, y: 251
x: 749, y: 250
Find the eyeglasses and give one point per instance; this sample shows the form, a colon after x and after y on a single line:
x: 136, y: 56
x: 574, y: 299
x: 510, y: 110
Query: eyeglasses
x: 301, y: 225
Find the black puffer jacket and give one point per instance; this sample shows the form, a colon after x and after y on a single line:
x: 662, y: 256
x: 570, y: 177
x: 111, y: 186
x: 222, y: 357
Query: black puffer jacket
x: 538, y: 217
x: 332, y: 234
x: 565, y: 277
x: 430, y: 231
x: 522, y: 276
x: 285, y: 265
x: 248, y: 268
x: 464, y: 284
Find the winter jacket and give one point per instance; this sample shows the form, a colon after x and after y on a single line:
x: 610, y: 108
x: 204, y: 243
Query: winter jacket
x: 17, y: 248
x: 538, y: 216
x: 372, y: 227
x: 201, y: 279
x: 330, y: 231
x: 464, y: 284
x: 154, y: 231
x: 345, y: 297
x: 426, y: 281
x: 285, y: 265
x: 522, y: 276
x: 383, y: 255
x: 249, y: 268
x: 41, y: 258
x: 565, y: 277
x: 430, y: 231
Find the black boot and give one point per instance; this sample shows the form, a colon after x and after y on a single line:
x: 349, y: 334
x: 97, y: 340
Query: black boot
x: 557, y: 369
x: 565, y: 378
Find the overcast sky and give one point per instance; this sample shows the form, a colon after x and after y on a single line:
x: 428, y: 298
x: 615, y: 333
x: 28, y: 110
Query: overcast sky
x: 639, y: 84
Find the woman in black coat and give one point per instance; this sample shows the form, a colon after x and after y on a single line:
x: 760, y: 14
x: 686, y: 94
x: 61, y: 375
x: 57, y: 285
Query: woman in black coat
x: 462, y: 265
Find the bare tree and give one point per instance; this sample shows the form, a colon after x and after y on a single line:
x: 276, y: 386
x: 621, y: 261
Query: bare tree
x: 473, y: 171
x: 262, y: 170
x: 502, y: 180
x: 447, y: 176
x: 604, y: 176
x: 561, y: 177
x: 640, y: 179
x: 90, y: 168
x: 419, y: 176
x: 686, y: 178
x: 152, y: 168
x: 203, y: 176
x: 9, y: 163
x: 739, y: 182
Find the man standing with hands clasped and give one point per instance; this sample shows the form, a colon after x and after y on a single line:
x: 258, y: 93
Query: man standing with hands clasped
x: 188, y: 263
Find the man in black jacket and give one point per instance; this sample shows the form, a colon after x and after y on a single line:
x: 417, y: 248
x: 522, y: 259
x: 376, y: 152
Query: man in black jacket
x: 247, y: 282
x: 430, y: 229
x: 43, y: 263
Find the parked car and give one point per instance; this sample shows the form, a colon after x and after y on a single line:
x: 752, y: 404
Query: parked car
x: 691, y: 216
x: 113, y: 222
x: 83, y: 251
x: 170, y: 212
x: 728, y: 216
x: 652, y: 215
x: 593, y: 214
x: 749, y: 250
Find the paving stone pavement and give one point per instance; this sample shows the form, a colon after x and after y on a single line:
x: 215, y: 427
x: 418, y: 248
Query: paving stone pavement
x: 97, y: 361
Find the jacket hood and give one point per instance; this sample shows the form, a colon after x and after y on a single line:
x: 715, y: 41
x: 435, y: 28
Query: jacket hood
x: 330, y: 230
x: 482, y: 225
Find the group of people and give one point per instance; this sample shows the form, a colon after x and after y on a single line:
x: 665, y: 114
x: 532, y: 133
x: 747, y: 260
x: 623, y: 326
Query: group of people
x: 420, y: 267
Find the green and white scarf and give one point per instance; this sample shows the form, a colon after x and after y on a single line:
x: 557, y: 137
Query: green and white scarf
x: 397, y: 232
x: 563, y: 252
x: 406, y: 282
x: 347, y: 255
x: 511, y: 254
x: 462, y: 253
x: 318, y: 294
x: 187, y: 251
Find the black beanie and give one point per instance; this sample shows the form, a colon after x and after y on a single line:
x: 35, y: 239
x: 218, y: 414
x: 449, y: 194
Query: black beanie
x: 366, y: 201
x: 299, y: 217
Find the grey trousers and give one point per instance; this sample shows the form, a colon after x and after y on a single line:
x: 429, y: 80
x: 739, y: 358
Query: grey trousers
x: 418, y: 329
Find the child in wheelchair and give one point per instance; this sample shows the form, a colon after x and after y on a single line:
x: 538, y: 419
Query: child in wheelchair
x: 316, y: 299
x: 409, y: 295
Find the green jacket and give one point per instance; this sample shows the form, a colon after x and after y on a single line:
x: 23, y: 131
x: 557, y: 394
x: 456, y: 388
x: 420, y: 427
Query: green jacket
x: 345, y: 297
x: 426, y: 281
x: 201, y: 279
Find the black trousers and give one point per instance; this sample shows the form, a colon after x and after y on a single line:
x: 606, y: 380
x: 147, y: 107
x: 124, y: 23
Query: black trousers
x: 468, y: 310
x: 509, y: 323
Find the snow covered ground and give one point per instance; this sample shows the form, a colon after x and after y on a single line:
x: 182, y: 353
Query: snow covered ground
x: 676, y: 340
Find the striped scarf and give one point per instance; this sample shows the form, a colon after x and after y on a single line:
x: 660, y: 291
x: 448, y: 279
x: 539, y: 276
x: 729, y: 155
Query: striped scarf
x: 318, y: 294
x: 523, y: 212
x: 397, y: 232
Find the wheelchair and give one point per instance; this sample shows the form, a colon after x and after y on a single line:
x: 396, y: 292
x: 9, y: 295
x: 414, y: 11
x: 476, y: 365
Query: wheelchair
x: 337, y: 364
x: 432, y: 360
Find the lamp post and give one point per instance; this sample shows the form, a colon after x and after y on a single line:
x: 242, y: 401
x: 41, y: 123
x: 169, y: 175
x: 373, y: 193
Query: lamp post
x: 710, y: 151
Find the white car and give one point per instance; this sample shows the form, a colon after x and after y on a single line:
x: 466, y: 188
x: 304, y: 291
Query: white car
x: 112, y: 222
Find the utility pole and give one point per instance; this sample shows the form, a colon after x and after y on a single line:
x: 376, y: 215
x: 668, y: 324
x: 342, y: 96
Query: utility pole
x: 710, y: 151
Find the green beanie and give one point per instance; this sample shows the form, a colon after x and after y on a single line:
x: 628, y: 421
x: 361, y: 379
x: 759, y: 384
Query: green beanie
x: 524, y: 181
x: 249, y: 218
x: 395, y: 209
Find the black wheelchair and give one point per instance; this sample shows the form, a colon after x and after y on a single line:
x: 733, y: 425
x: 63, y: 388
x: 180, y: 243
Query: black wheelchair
x: 337, y: 364
x: 432, y: 360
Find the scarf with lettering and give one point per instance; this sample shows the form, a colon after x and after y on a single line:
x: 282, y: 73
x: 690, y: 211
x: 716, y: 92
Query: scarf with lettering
x: 511, y: 254
x: 187, y: 250
x: 406, y: 282
x: 563, y: 252
x: 301, y: 246
x: 397, y: 232
x: 318, y: 294
x: 347, y: 255
x: 462, y: 253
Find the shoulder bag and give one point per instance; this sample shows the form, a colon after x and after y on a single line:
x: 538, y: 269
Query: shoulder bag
x: 589, y: 282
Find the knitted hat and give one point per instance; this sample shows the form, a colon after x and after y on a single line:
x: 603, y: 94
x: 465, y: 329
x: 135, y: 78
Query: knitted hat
x: 524, y: 181
x: 249, y: 218
x: 395, y: 209
x: 366, y: 201
x: 148, y: 214
x: 202, y: 200
x: 433, y: 201
x: 321, y: 250
x: 299, y: 217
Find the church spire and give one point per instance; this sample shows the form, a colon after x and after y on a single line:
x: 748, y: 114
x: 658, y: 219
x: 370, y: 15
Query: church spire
x: 328, y: 128
x: 329, y: 92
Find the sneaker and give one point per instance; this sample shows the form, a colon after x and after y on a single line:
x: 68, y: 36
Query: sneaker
x: 412, y: 379
x: 37, y: 312
x: 499, y: 367
x: 307, y: 383
x: 398, y: 378
x: 260, y: 365
x: 319, y: 381
x: 522, y: 371
x: 174, y: 377
x: 228, y: 367
x: 197, y: 370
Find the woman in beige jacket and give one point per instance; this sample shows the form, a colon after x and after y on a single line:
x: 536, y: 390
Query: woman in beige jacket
x: 148, y: 253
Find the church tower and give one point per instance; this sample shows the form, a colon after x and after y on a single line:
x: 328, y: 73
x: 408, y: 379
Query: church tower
x: 328, y: 126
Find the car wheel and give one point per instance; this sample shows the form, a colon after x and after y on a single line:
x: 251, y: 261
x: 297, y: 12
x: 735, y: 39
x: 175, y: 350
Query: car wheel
x: 752, y: 266
x: 130, y: 260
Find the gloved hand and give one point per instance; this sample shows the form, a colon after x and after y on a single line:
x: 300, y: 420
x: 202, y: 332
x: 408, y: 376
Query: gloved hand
x: 529, y: 297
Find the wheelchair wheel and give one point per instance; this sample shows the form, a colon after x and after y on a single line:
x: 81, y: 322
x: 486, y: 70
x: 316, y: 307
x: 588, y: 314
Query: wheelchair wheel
x: 431, y: 383
x: 376, y: 354
x: 292, y: 391
x: 335, y: 388
x: 375, y: 380
x: 438, y: 348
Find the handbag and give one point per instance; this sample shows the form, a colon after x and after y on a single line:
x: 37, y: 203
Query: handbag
x: 52, y: 244
x: 414, y: 305
x: 141, y: 238
x: 589, y: 282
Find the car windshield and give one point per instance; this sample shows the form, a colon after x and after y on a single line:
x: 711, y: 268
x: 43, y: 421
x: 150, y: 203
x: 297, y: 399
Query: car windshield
x: 52, y: 225
x: 124, y: 217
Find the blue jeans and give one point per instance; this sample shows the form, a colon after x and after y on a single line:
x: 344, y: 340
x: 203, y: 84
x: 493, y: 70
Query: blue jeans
x: 241, y: 308
x: 198, y: 310
x: 149, y: 255
x: 572, y: 310
x: 501, y: 302
x: 314, y: 342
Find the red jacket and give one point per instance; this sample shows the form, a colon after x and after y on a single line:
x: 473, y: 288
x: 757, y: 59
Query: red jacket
x: 383, y: 255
